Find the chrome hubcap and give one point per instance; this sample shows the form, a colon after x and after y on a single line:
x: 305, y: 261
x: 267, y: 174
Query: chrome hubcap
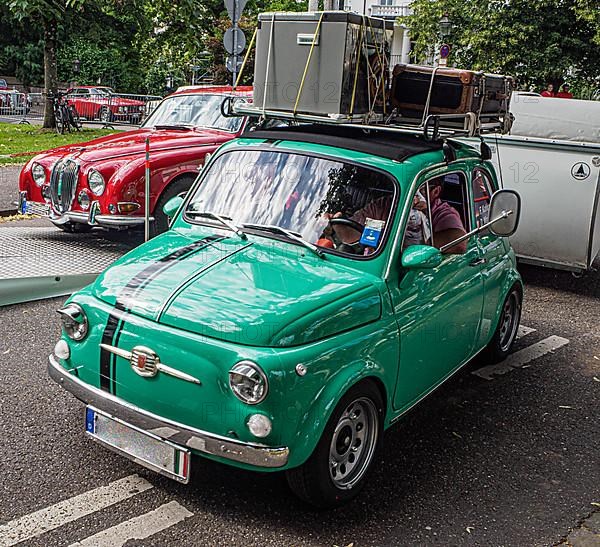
x: 509, y: 321
x: 353, y: 443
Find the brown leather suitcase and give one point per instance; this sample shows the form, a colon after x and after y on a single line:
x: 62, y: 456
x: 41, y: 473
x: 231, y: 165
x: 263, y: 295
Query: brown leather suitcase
x: 454, y: 91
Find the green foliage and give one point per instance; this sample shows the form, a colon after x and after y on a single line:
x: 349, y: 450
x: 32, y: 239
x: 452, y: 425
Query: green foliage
x: 18, y: 143
x: 537, y: 42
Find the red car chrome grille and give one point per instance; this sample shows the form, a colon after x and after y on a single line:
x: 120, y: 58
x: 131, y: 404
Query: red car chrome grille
x: 63, y: 184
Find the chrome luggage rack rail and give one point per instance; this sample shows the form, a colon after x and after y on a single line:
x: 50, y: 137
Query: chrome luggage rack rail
x: 434, y: 127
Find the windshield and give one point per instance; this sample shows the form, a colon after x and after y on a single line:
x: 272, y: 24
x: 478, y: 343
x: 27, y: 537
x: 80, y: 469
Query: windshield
x: 193, y: 111
x: 329, y: 203
x: 106, y: 91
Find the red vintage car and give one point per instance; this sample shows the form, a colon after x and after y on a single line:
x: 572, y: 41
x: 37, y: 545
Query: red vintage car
x: 101, y: 102
x: 101, y: 182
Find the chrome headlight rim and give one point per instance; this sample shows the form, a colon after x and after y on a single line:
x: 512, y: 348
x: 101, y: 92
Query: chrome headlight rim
x: 249, y: 371
x: 72, y: 315
x: 96, y: 182
x: 40, y: 178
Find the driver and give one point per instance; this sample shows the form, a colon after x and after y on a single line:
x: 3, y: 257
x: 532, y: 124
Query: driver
x: 446, y: 223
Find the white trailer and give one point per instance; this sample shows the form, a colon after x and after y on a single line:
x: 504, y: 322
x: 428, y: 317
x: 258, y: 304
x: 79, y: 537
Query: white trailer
x: 552, y: 158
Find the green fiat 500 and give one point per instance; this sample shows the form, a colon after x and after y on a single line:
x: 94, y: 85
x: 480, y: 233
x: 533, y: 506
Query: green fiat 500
x: 315, y: 284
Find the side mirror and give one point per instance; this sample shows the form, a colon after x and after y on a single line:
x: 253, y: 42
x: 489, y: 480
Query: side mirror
x: 421, y: 257
x: 171, y: 207
x: 503, y: 202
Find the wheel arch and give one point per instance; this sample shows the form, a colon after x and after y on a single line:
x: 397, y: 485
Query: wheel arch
x: 174, y: 180
x: 311, y: 428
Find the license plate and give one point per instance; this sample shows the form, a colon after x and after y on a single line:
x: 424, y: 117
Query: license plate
x: 138, y: 445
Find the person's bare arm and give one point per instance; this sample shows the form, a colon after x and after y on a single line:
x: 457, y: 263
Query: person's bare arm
x: 448, y: 236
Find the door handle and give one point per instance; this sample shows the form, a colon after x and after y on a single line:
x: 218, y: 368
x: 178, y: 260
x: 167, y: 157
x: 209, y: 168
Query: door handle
x: 478, y: 262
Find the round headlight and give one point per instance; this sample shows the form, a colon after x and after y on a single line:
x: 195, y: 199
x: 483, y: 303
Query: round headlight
x: 38, y: 173
x: 74, y: 321
x: 248, y: 382
x: 96, y: 182
x: 84, y: 200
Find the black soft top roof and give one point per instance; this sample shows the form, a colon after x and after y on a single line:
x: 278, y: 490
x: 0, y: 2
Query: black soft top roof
x: 387, y: 144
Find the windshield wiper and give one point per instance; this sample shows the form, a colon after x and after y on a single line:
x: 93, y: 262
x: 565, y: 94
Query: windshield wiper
x: 291, y: 235
x: 226, y: 221
x: 174, y: 126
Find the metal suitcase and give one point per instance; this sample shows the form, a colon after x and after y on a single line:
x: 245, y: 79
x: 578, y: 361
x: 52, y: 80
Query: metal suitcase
x: 453, y: 91
x: 335, y: 81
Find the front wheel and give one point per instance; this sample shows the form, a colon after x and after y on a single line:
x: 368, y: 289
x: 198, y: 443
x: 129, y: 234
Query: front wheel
x: 337, y: 469
x: 105, y: 115
x: 508, y: 326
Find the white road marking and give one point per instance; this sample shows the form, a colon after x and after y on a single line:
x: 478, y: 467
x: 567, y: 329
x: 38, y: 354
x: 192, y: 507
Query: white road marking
x: 522, y: 357
x: 524, y: 331
x: 140, y: 527
x: 71, y: 509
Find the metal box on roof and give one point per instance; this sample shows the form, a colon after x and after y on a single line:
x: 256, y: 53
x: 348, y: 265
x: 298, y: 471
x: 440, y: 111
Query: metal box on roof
x: 323, y: 63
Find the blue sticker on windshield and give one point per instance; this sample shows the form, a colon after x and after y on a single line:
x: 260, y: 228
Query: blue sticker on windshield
x: 372, y: 232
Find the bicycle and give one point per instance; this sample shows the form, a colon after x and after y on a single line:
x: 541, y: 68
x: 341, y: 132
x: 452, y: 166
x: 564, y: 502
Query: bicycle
x: 65, y: 114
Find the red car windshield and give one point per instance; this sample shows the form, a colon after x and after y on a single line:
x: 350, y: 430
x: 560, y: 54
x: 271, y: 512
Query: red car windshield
x: 192, y: 110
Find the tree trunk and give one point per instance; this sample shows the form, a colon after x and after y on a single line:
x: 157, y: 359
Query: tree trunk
x: 50, y: 70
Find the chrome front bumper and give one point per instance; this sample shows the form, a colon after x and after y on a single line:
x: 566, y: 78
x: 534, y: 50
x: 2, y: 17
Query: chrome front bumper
x: 100, y: 220
x: 106, y: 221
x: 254, y: 454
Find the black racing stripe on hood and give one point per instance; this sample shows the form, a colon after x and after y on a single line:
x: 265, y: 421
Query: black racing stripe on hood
x: 142, y: 278
x: 115, y: 322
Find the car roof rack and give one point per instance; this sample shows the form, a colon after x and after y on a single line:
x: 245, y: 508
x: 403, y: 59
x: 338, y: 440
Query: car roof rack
x: 434, y: 126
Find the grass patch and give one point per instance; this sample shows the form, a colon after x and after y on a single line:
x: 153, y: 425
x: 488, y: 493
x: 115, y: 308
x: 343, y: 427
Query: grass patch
x: 19, y: 143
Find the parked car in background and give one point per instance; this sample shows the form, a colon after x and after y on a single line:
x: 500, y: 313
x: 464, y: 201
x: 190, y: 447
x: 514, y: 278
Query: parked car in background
x: 291, y: 314
x: 14, y: 102
x: 3, y: 84
x: 100, y: 102
x: 101, y: 182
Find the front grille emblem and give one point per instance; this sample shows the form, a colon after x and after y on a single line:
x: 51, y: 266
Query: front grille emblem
x: 143, y: 361
x: 146, y: 363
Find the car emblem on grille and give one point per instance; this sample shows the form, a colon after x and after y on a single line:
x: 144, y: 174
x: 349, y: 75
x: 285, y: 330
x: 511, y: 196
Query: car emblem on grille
x: 146, y: 363
x: 143, y: 361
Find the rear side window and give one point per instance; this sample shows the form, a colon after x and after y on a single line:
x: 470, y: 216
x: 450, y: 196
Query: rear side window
x: 482, y: 195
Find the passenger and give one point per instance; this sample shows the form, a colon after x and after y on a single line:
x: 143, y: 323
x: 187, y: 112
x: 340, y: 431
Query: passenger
x: 418, y: 231
x: 445, y: 220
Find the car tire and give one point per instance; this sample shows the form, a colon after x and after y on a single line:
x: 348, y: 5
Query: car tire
x: 105, y: 115
x: 508, y: 325
x: 338, y: 468
x: 161, y: 221
x: 75, y: 227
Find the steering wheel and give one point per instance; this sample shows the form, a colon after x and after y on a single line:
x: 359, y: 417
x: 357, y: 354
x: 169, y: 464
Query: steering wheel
x: 347, y: 222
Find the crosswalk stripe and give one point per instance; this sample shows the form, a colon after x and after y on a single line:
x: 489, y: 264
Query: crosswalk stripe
x: 71, y: 509
x: 522, y: 357
x: 140, y: 527
x: 524, y: 331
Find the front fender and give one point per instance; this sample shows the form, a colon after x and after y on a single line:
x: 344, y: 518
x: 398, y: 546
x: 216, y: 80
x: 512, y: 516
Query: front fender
x: 314, y: 421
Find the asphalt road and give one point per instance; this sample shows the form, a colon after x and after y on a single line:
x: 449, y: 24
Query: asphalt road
x: 512, y: 461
